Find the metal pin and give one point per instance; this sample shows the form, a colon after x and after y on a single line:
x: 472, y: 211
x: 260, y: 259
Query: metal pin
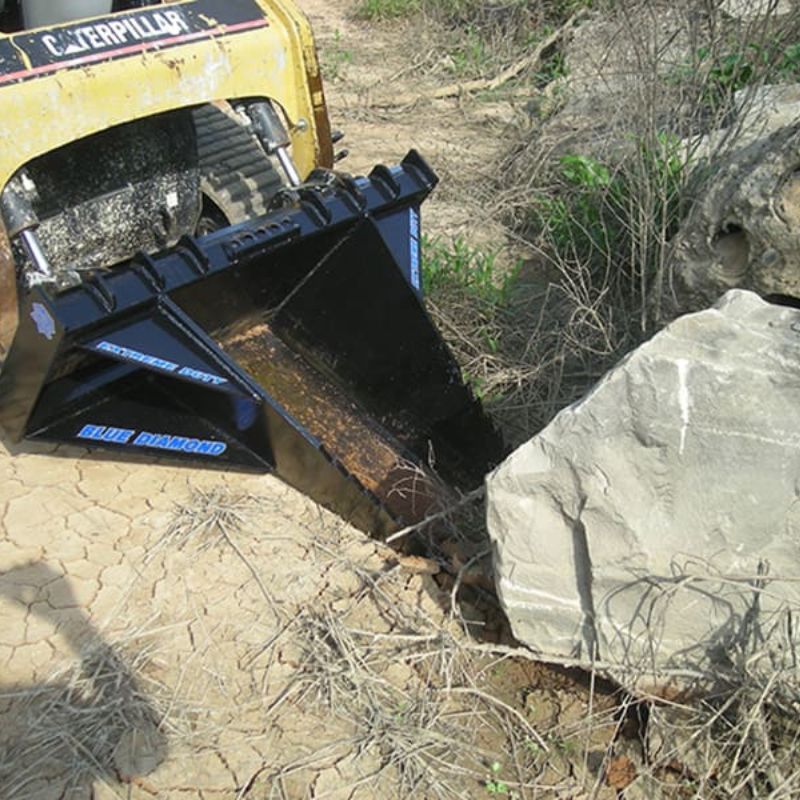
x: 288, y: 166
x: 30, y: 241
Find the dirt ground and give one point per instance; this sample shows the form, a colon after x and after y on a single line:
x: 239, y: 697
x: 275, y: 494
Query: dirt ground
x: 139, y: 639
x: 180, y: 633
x: 364, y: 63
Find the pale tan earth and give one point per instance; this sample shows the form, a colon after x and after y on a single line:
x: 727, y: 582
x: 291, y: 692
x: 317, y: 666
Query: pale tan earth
x: 363, y: 62
x: 87, y: 560
x: 174, y: 632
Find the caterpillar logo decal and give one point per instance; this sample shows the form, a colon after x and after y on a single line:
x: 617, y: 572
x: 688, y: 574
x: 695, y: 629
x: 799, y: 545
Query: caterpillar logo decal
x: 31, y: 54
x: 116, y: 32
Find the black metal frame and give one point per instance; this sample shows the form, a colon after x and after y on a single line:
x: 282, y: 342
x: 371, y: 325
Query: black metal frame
x: 130, y: 360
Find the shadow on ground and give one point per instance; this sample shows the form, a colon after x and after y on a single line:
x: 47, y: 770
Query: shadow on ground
x: 90, y: 722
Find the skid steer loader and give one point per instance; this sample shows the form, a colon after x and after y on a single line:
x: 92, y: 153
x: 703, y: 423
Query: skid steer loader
x: 183, y: 274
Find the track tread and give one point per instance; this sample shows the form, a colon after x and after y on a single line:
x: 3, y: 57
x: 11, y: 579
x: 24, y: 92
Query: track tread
x: 235, y: 172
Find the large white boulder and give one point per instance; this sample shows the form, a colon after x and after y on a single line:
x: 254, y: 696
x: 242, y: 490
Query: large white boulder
x: 655, y: 525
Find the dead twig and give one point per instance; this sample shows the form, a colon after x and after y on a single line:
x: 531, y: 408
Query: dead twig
x: 476, y: 494
x: 480, y: 84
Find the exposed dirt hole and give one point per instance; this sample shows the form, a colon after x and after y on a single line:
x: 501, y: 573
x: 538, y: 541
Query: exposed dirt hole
x: 732, y: 248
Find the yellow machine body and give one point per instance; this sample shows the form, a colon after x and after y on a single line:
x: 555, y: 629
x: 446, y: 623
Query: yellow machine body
x: 63, y: 83
x: 67, y: 87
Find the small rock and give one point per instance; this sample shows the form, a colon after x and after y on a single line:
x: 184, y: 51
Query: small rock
x: 417, y: 565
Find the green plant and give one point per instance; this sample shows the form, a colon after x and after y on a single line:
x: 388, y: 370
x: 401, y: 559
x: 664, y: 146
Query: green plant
x: 724, y: 71
x: 553, y: 64
x: 471, y: 54
x: 552, y: 69
x: 583, y: 218
x: 601, y: 216
x: 585, y: 171
x: 336, y: 57
x: 493, y: 784
x: 789, y: 65
x: 374, y: 10
x: 533, y: 747
x: 466, y: 270
x: 468, y: 288
x: 732, y: 71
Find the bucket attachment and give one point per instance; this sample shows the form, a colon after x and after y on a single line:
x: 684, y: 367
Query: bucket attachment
x: 296, y: 343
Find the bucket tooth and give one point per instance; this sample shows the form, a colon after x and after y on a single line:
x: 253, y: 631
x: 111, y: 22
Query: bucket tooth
x: 296, y: 343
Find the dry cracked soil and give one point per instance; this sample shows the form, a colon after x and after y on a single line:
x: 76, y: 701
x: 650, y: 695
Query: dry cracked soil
x: 154, y: 620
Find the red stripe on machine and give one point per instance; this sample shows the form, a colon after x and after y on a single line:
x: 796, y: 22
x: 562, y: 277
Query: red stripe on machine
x: 110, y: 55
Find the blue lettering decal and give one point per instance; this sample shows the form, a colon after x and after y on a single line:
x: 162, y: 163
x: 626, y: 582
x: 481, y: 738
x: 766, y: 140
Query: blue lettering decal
x: 159, y: 441
x: 413, y: 223
x: 413, y: 244
x: 117, y: 435
x: 43, y: 321
x: 203, y: 377
x: 127, y: 354
x: 99, y: 433
x: 91, y: 432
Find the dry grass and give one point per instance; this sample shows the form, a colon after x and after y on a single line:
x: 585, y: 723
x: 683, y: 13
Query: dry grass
x: 596, y: 189
x: 420, y: 708
x: 594, y: 204
x: 416, y: 694
x: 438, y: 737
x: 413, y: 697
x: 207, y: 518
x: 724, y: 721
x: 108, y: 717
x: 739, y: 739
x: 101, y: 719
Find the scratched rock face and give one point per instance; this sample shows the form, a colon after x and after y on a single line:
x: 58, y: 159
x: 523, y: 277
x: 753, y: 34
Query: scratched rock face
x: 635, y: 526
